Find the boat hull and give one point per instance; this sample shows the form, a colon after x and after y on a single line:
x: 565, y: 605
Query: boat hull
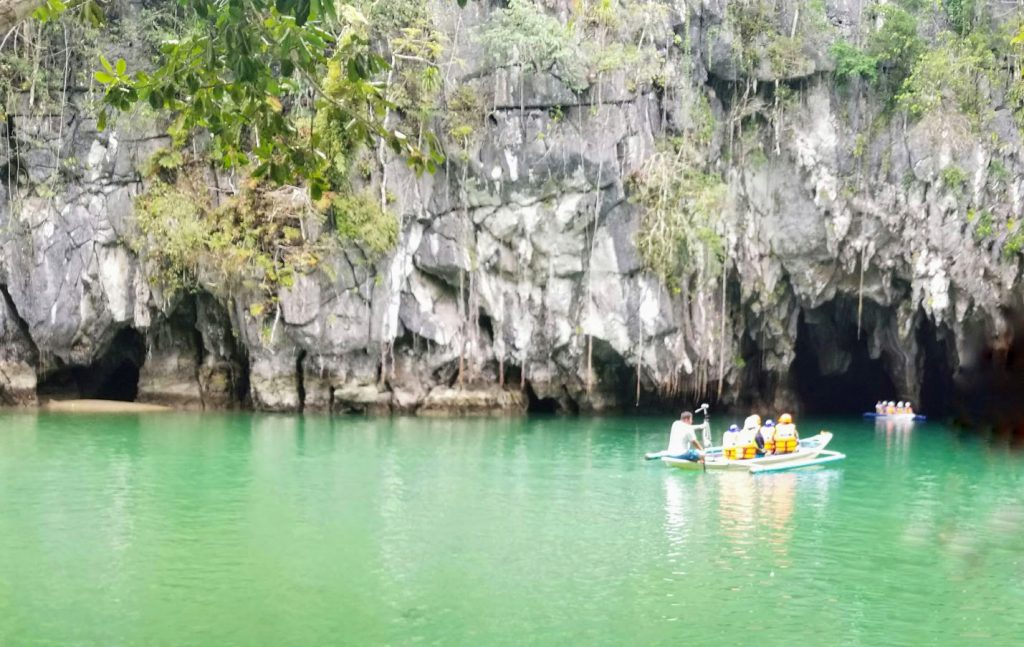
x: 897, y: 417
x: 809, y: 449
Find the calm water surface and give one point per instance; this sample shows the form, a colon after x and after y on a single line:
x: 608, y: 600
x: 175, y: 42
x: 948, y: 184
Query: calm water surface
x: 243, y: 529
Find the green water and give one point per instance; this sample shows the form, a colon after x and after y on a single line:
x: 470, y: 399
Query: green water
x: 239, y: 529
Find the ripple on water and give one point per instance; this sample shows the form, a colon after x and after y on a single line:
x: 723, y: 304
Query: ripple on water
x: 259, y: 529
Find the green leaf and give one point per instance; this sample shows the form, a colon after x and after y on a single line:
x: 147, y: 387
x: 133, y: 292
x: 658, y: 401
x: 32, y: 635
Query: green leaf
x: 106, y: 64
x: 101, y: 121
x: 103, y: 77
x: 302, y: 8
x: 122, y: 67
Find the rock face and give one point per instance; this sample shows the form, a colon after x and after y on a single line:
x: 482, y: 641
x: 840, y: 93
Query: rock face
x: 517, y: 282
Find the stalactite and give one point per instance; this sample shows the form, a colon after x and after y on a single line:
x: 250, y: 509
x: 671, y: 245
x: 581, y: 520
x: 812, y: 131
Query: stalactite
x: 721, y: 332
x: 860, y: 290
x: 462, y: 331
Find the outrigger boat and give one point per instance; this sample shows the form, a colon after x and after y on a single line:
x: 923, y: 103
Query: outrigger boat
x: 898, y: 417
x: 811, y: 451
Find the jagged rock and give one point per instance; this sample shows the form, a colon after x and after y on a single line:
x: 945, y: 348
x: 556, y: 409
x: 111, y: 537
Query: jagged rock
x: 520, y: 257
x: 447, y: 401
x: 18, y: 358
x: 361, y: 398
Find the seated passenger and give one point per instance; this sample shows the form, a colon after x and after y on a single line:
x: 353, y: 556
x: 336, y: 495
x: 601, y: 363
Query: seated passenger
x: 900, y: 407
x: 909, y: 408
x: 890, y: 409
x: 787, y: 439
x: 729, y: 441
x: 766, y: 438
x: 746, y: 447
x: 879, y: 408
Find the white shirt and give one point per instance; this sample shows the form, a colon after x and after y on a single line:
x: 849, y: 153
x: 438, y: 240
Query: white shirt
x: 730, y: 438
x: 747, y: 436
x: 681, y: 438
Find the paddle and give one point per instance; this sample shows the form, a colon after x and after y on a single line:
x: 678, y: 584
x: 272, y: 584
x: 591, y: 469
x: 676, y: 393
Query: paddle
x: 705, y: 435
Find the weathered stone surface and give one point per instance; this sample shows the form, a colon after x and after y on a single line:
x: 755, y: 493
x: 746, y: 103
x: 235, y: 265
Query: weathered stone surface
x: 518, y: 263
x: 444, y: 401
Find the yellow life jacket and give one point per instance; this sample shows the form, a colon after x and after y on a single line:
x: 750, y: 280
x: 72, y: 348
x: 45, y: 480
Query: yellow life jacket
x: 744, y: 452
x: 769, y: 440
x: 890, y: 410
x: 785, y: 439
x: 729, y: 453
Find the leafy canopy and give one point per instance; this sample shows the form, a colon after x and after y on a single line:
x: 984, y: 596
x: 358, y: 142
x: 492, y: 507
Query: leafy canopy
x: 249, y: 73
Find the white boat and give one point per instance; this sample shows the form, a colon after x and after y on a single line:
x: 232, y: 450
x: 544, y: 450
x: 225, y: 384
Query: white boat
x: 811, y: 451
x: 898, y: 417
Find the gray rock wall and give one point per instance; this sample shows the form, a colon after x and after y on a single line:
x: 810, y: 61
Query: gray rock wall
x: 517, y: 278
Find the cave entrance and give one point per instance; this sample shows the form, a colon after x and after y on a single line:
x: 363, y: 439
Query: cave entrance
x: 536, y: 404
x: 113, y: 376
x: 938, y: 389
x: 833, y: 372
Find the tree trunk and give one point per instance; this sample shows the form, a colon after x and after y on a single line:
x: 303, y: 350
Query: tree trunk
x: 12, y: 11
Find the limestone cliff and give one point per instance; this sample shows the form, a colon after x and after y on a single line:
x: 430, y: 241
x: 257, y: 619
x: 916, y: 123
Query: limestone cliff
x: 517, y: 278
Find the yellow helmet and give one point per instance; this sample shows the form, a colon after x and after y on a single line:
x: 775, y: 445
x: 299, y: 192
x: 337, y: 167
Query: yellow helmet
x: 785, y: 419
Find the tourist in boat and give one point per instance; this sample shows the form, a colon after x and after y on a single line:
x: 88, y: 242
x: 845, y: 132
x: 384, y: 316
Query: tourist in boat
x: 786, y: 437
x: 908, y: 408
x: 879, y: 408
x: 682, y: 439
x: 765, y: 437
x: 890, y: 408
x: 900, y: 407
x: 746, y: 447
x: 730, y: 439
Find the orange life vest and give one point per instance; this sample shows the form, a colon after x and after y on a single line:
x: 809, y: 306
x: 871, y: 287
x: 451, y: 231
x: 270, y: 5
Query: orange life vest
x: 785, y: 439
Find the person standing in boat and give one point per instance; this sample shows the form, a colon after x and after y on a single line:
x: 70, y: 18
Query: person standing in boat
x: 682, y: 439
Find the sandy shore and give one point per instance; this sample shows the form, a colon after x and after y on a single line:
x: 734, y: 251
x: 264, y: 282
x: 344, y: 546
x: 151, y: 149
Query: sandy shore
x: 101, y: 406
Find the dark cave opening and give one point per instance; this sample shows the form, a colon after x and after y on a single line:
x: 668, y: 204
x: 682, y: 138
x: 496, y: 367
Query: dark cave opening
x: 113, y: 376
x: 535, y: 404
x: 938, y: 389
x: 823, y: 384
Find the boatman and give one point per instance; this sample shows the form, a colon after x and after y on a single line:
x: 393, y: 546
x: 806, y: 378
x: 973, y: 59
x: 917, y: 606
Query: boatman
x: 682, y: 440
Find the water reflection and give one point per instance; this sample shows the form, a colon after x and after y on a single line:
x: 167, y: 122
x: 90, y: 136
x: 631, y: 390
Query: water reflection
x: 737, y: 505
x: 896, y: 434
x: 676, y: 513
x: 778, y: 492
